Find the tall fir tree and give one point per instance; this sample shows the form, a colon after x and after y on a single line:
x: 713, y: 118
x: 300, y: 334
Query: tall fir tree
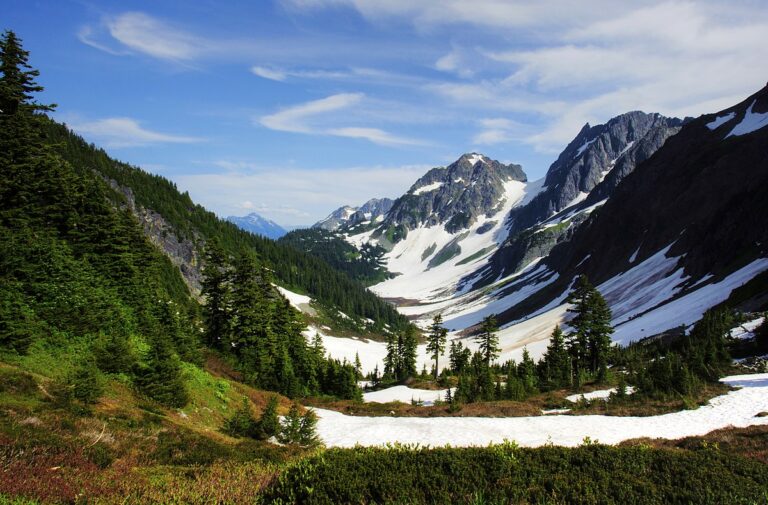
x: 488, y: 340
x: 556, y: 364
x: 590, y: 341
x: 216, y: 291
x: 436, y: 340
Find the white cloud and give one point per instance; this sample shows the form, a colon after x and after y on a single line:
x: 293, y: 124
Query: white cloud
x: 155, y: 38
x: 86, y: 35
x: 290, y: 195
x: 126, y: 132
x: 674, y: 57
x: 309, y: 118
x: 487, y: 13
x: 297, y: 118
x: 269, y: 73
x: 454, y: 62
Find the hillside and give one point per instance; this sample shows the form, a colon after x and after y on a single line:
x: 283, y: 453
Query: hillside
x: 181, y: 227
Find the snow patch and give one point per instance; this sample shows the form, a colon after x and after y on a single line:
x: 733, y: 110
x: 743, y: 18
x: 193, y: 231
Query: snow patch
x: 737, y: 408
x: 714, y: 124
x: 406, y: 395
x: 688, y: 308
x: 584, y: 147
x: 299, y: 302
x: 752, y: 121
x: 602, y: 394
x: 474, y: 158
x: 428, y: 188
x: 747, y: 330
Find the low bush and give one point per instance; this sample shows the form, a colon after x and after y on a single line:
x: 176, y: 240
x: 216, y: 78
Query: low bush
x: 590, y: 474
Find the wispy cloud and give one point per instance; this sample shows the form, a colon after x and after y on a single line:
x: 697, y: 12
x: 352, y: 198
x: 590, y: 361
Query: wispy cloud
x: 297, y: 118
x: 303, y: 118
x: 126, y: 132
x: 87, y: 35
x: 269, y: 73
x: 148, y: 35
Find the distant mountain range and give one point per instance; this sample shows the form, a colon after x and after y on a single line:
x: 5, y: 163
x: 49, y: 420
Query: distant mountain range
x: 258, y: 225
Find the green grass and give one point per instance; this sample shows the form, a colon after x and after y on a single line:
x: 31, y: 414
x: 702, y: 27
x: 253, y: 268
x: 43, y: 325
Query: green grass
x: 475, y: 256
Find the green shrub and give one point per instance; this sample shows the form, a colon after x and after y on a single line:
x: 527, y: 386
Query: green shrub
x: 507, y: 474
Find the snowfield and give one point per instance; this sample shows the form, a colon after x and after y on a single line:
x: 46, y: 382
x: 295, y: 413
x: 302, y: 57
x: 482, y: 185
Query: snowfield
x: 737, y: 408
x: 405, y: 394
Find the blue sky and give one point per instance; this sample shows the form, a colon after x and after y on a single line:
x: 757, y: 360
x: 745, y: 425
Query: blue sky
x: 291, y: 108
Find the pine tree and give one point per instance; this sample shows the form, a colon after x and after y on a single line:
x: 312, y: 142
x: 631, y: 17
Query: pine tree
x: 114, y: 354
x: 291, y: 431
x: 488, y: 340
x: 408, y: 348
x: 215, y: 288
x: 590, y: 342
x: 600, y: 335
x: 18, y: 78
x: 161, y: 378
x: 761, y: 334
x: 556, y: 363
x: 269, y: 423
x: 526, y: 371
x: 358, y: 366
x: 436, y: 340
x: 86, y: 382
x: 308, y: 430
x: 242, y: 422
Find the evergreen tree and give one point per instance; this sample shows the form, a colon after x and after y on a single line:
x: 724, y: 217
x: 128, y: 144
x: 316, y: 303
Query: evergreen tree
x: 761, y: 334
x: 161, y: 378
x: 269, y: 423
x: 488, y: 340
x: 242, y: 422
x: 526, y: 371
x: 459, y: 357
x: 589, y: 344
x: 408, y: 348
x: 86, y: 382
x: 308, y: 430
x: 358, y: 366
x: 436, y: 340
x: 216, y: 291
x: 114, y: 354
x: 556, y: 362
x: 290, y: 431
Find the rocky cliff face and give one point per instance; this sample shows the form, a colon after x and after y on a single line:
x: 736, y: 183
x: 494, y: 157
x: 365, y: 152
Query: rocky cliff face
x: 585, y: 174
x: 697, y: 205
x: 590, y: 158
x: 455, y: 195
x: 182, y: 252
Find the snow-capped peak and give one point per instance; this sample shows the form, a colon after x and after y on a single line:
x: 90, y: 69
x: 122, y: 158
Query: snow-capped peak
x: 473, y: 158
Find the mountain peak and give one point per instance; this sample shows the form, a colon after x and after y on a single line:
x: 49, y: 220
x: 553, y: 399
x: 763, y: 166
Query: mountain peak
x: 473, y: 158
x: 258, y: 225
